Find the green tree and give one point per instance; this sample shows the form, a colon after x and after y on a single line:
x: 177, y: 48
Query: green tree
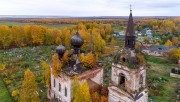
x: 29, y: 89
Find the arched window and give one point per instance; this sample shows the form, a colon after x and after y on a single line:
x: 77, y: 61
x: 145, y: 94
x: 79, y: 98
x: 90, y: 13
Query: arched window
x: 123, y: 59
x: 65, y: 91
x: 59, y: 87
x: 121, y: 79
x: 54, y: 83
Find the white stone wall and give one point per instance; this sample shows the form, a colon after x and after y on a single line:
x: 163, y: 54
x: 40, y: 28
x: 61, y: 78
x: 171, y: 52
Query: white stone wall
x: 118, y: 95
x: 132, y: 77
x: 66, y: 81
x: 98, y: 78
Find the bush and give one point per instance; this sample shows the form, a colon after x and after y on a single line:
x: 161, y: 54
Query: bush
x: 25, y: 64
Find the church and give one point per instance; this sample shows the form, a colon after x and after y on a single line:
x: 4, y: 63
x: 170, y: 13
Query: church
x: 128, y: 72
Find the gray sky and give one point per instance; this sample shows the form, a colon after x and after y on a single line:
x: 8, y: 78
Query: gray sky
x: 90, y: 7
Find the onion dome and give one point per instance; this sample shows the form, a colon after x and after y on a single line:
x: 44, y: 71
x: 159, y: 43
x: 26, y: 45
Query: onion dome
x: 77, y: 41
x: 60, y: 50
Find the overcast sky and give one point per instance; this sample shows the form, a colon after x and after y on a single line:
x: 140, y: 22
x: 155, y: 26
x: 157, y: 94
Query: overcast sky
x: 90, y: 7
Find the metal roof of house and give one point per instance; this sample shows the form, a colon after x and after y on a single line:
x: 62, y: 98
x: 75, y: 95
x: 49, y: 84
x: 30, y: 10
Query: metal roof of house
x: 159, y: 48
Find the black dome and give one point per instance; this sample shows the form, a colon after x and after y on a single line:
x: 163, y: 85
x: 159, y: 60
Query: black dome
x: 60, y: 50
x: 77, y: 41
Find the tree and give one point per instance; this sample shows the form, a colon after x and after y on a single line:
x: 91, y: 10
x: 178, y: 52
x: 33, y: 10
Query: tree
x: 167, y: 26
x: 56, y: 65
x: 82, y: 94
x: 46, y: 73
x: 174, y: 54
x: 95, y: 97
x: 168, y: 43
x: 29, y: 89
x: 104, y: 99
x: 5, y: 36
x: 75, y: 86
x: 88, y: 60
x: 175, y: 41
x: 49, y: 39
x: 38, y: 34
x: 58, y: 40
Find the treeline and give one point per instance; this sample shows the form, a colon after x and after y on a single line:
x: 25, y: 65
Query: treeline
x: 32, y: 35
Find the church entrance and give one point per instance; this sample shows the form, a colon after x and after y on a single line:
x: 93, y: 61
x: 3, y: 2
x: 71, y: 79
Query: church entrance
x: 122, y: 79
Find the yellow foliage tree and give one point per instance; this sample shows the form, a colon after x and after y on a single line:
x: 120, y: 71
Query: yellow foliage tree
x: 168, y: 43
x: 2, y: 67
x: 29, y: 89
x: 175, y: 41
x: 5, y: 36
x: 15, y: 93
x: 56, y: 65
x: 38, y: 34
x: 174, y: 54
x: 95, y: 97
x: 46, y: 73
x: 58, y: 40
x: 75, y: 86
x: 88, y: 60
x: 167, y: 26
x: 82, y: 94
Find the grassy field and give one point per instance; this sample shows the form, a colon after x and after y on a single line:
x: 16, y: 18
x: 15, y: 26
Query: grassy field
x: 158, y: 79
x: 17, y: 60
x: 4, y: 95
x: 50, y: 26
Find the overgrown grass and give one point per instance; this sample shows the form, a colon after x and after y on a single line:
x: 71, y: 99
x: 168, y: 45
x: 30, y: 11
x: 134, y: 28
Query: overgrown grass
x: 17, y: 60
x: 4, y: 95
x: 158, y: 77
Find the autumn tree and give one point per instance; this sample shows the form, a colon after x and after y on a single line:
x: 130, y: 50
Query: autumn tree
x: 104, y: 99
x: 56, y: 65
x: 38, y: 34
x: 88, y: 60
x: 29, y: 89
x: 5, y: 36
x: 46, y: 73
x: 168, y: 43
x: 167, y: 26
x: 107, y: 31
x: 174, y: 54
x: 49, y: 38
x: 82, y: 94
x: 75, y: 86
x: 95, y: 97
x: 175, y: 41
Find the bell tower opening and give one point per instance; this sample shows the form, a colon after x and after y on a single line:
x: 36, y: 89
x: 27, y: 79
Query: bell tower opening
x: 122, y: 79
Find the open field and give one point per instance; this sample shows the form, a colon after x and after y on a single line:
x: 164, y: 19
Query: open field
x: 50, y: 26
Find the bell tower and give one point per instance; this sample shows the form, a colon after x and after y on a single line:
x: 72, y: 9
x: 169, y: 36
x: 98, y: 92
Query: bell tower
x: 128, y: 72
x: 130, y: 34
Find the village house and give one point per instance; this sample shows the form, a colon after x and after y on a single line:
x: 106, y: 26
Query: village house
x: 157, y: 50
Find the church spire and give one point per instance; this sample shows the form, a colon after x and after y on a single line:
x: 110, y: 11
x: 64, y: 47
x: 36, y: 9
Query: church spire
x: 130, y: 33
